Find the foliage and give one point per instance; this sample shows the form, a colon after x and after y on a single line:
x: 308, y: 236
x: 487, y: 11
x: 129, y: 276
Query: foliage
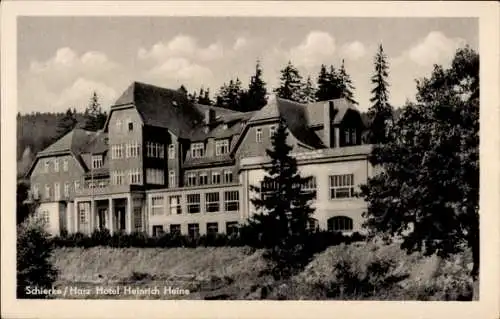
x: 256, y: 96
x: 308, y: 94
x: 428, y: 190
x: 34, y: 250
x: 329, y: 84
x: 67, y: 123
x: 283, y: 209
x: 230, y: 95
x: 290, y: 86
x: 204, y: 97
x: 346, y: 86
x: 94, y: 116
x: 380, y: 112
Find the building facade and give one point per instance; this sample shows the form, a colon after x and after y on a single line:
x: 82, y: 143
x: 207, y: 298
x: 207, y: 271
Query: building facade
x: 163, y: 164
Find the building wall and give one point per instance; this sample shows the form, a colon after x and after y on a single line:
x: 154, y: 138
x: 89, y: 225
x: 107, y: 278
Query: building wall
x: 209, y: 171
x: 41, y: 178
x: 57, y: 214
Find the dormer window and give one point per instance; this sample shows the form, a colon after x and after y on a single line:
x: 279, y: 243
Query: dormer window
x: 221, y: 147
x: 258, y: 135
x: 197, y: 150
x: 171, y: 151
x: 130, y: 126
x: 97, y: 161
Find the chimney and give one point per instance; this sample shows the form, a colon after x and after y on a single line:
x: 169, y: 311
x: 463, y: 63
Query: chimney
x: 209, y: 116
x: 328, y: 137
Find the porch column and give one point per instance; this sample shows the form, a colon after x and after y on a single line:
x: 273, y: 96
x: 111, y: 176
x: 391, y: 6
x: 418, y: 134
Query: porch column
x: 337, y: 136
x: 69, y: 221
x: 128, y: 215
x: 110, y: 216
x: 93, y: 218
x: 76, y: 214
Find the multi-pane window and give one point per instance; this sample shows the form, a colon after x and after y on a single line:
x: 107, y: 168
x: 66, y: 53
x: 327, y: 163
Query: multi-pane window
x: 231, y: 201
x: 47, y: 191
x: 175, y: 229
x: 66, y: 189
x: 231, y: 228
x: 203, y: 179
x: 118, y: 177
x: 116, y: 151
x: 157, y: 230
x: 212, y: 228
x: 272, y: 130
x: 46, y: 166
x: 97, y: 161
x: 267, y: 188
x: 155, y: 176
x: 155, y: 150
x: 135, y: 176
x: 310, y: 186
x: 137, y: 219
x: 77, y: 186
x: 82, y: 213
x: 228, y: 176
x: 44, y: 216
x: 101, y: 185
x: 132, y: 150
x: 157, y: 205
x: 193, y: 203
x: 258, y: 135
x: 118, y: 125
x: 221, y: 147
x: 197, y: 150
x: 340, y: 223
x: 171, y: 179
x: 350, y: 136
x: 65, y: 165
x: 215, y: 178
x: 341, y: 186
x: 193, y: 230
x: 91, y: 185
x: 171, y: 151
x: 56, y: 165
x: 36, y: 191
x: 212, y: 202
x: 175, y: 205
x: 191, y: 179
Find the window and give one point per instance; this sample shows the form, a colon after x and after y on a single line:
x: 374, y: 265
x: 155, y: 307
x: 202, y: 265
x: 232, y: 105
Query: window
x: 47, y: 191
x: 47, y: 165
x: 193, y: 230
x: 65, y: 165
x: 156, y: 205
x: 353, y: 136
x: 66, y: 189
x: 56, y: 165
x: 228, y: 177
x: 83, y: 218
x: 267, y: 189
x: 101, y: 185
x: 36, y: 191
x: 132, y: 150
x: 44, y: 216
x: 340, y: 223
x: 171, y: 151
x: 191, y: 179
x: 347, y: 136
x: 193, y: 203
x: 130, y: 126
x: 197, y: 150
x: 175, y: 205
x: 155, y: 176
x: 175, y: 229
x: 119, y: 125
x: 212, y: 202
x: 221, y: 147
x: 203, y: 179
x: 97, y: 161
x: 116, y: 151
x: 137, y: 219
x: 231, y: 228
x: 310, y: 186
x: 258, y: 135
x: 77, y: 186
x: 212, y: 228
x: 157, y: 230
x: 341, y: 186
x: 272, y: 130
x: 231, y: 201
x: 117, y: 177
x: 135, y: 176
x: 155, y: 150
x: 215, y: 178
x: 171, y: 179
x: 91, y: 185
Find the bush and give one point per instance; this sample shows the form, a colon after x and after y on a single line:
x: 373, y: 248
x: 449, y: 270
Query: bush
x: 34, y: 250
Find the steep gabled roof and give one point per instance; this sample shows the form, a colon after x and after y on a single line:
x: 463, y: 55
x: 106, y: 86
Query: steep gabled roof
x: 73, y: 141
x: 315, y: 111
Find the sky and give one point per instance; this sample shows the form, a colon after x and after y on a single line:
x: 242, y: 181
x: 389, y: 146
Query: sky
x: 62, y: 60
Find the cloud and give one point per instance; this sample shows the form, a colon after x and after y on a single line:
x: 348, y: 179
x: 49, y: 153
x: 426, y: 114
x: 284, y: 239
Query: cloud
x: 353, y: 50
x: 240, y: 43
x: 435, y: 48
x: 181, y: 46
x: 315, y: 49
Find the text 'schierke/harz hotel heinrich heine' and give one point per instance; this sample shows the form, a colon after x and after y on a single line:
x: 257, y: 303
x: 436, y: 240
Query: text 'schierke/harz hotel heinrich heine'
x: 163, y: 164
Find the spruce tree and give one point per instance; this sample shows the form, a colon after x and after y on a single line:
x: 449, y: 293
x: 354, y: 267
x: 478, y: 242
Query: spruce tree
x: 204, y: 97
x: 67, y: 123
x: 308, y: 92
x: 290, y: 83
x: 94, y: 117
x: 323, y: 84
x: 346, y: 85
x: 380, y: 111
x: 256, y: 95
x: 230, y: 95
x: 182, y: 89
x: 283, y: 209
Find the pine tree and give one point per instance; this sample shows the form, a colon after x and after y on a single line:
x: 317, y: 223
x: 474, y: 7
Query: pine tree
x: 380, y: 112
x: 308, y: 92
x: 283, y: 210
x: 255, y: 97
x: 182, y: 89
x: 322, y: 93
x: 346, y: 85
x: 67, y: 123
x: 204, y: 97
x: 290, y: 83
x: 94, y: 116
x: 230, y: 96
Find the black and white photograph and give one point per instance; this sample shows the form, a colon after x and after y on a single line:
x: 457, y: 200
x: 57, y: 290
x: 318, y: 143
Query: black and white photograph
x: 248, y: 158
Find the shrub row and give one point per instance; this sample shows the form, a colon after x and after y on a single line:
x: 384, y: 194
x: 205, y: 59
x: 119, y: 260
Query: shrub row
x: 316, y: 241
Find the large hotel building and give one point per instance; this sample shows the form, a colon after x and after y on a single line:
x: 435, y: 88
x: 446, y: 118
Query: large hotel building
x: 163, y: 164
